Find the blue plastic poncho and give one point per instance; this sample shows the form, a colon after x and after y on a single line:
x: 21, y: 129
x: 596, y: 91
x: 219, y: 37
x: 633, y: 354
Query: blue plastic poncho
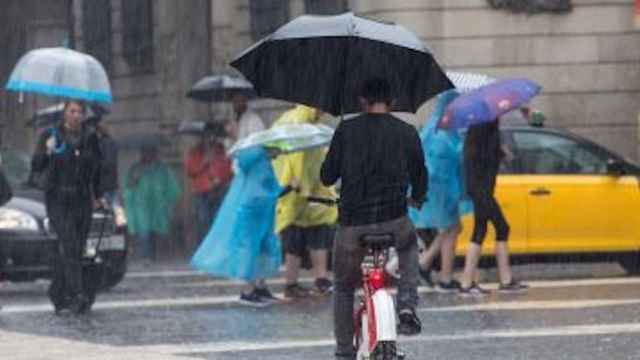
x: 443, y: 158
x: 241, y: 243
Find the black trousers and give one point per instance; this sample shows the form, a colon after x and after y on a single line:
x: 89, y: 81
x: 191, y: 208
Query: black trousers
x: 70, y: 218
x: 486, y: 209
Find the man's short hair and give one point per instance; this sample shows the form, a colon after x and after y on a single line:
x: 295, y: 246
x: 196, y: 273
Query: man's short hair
x: 376, y: 90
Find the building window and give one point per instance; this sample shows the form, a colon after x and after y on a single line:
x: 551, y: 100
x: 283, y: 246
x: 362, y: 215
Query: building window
x: 137, y: 33
x: 96, y: 30
x: 267, y: 16
x: 325, y: 7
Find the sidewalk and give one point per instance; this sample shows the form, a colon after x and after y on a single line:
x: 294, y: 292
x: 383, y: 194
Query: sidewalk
x: 16, y: 346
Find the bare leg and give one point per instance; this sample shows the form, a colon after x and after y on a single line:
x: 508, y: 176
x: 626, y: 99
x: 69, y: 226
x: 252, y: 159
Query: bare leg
x: 502, y: 258
x: 471, y: 264
x: 427, y: 257
x: 319, y: 260
x: 448, y: 252
x: 292, y: 265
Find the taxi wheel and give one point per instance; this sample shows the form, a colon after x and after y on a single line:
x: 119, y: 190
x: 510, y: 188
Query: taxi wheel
x: 631, y: 263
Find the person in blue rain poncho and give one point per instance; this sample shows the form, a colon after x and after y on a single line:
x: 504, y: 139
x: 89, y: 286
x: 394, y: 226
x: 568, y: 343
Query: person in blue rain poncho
x: 444, y: 206
x: 241, y: 243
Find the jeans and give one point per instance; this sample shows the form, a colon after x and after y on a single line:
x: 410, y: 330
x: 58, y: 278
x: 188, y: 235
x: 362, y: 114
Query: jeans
x: 147, y: 245
x: 348, y: 256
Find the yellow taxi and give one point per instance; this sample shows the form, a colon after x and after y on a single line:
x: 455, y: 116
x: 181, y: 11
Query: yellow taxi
x: 565, y: 195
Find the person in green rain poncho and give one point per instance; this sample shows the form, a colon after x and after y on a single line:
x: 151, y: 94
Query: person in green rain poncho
x: 151, y: 191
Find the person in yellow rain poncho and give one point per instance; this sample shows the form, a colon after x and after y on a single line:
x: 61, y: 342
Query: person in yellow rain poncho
x: 302, y: 225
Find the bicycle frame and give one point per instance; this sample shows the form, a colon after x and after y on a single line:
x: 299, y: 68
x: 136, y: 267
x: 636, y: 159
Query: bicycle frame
x: 375, y: 319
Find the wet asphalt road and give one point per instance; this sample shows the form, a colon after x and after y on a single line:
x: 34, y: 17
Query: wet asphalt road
x: 573, y: 311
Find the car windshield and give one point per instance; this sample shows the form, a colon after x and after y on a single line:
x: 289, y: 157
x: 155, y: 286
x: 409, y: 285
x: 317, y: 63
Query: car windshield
x: 16, y: 165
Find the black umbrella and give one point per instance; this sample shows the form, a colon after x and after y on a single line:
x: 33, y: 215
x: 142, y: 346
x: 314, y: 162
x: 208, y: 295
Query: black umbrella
x: 198, y: 128
x: 142, y: 140
x: 321, y: 61
x: 219, y: 88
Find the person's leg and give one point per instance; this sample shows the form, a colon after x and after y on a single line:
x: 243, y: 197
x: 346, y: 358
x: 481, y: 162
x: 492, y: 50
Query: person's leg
x: 347, y: 258
x: 294, y: 246
x: 144, y: 246
x: 407, y: 298
x: 448, y: 252
x: 318, y: 240
x: 481, y: 218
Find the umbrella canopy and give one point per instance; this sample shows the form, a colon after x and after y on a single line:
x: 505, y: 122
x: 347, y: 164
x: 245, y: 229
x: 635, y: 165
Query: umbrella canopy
x: 287, y: 138
x: 487, y: 103
x: 218, y: 88
x: 61, y: 72
x: 465, y: 82
x: 142, y: 140
x: 321, y: 61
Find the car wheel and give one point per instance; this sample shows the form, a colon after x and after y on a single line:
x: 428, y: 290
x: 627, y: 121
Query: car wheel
x: 111, y: 279
x: 630, y: 263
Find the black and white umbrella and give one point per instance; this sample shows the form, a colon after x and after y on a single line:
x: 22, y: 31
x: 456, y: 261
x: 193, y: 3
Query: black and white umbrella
x: 321, y: 61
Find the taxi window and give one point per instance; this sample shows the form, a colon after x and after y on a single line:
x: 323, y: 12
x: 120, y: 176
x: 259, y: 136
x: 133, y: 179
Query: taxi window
x: 545, y: 153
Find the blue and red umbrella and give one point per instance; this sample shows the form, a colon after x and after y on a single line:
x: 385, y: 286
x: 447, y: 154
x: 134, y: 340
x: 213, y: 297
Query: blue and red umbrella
x: 488, y: 103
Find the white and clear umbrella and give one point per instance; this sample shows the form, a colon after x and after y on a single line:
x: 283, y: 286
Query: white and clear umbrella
x: 287, y: 138
x: 465, y: 82
x: 61, y: 72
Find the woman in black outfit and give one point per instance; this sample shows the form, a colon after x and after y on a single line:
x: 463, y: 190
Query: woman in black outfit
x: 69, y: 155
x: 482, y: 156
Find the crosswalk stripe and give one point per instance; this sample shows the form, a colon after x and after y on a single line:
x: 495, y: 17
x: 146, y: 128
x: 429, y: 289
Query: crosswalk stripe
x: 242, y: 346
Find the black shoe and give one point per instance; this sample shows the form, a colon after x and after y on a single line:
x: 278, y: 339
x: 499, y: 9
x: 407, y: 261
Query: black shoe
x: 514, y: 287
x: 351, y: 355
x: 323, y: 286
x: 425, y: 274
x: 295, y: 291
x: 409, y: 323
x: 452, y: 286
x: 265, y: 295
x: 80, y: 305
x: 252, y: 299
x: 473, y: 291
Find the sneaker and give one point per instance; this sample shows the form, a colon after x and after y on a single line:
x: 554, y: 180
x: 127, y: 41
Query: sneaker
x: 266, y: 295
x: 323, y: 286
x: 409, y: 323
x: 252, y: 299
x: 452, y: 286
x: 514, y: 287
x: 425, y: 274
x: 295, y: 291
x: 473, y: 291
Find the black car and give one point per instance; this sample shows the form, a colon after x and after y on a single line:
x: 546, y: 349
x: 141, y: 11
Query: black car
x: 27, y: 242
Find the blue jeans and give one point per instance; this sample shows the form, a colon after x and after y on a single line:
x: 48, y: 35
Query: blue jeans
x: 147, y: 245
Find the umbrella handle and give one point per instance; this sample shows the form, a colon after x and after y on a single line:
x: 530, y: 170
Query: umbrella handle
x: 20, y: 97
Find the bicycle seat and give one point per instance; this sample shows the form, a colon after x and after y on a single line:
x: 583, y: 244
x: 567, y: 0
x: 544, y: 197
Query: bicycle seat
x: 377, y: 241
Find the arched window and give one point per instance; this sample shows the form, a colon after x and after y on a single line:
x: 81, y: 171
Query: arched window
x: 137, y: 33
x: 96, y: 30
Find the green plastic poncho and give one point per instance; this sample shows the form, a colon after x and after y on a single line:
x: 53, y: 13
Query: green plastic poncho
x: 149, y: 203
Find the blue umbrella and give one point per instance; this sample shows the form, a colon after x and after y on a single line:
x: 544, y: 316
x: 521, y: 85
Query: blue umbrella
x: 488, y: 103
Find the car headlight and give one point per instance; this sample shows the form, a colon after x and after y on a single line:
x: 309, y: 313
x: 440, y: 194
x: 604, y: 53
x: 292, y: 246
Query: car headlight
x: 16, y: 220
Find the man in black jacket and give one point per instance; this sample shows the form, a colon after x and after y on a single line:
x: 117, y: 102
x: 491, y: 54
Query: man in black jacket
x: 376, y: 156
x: 69, y: 155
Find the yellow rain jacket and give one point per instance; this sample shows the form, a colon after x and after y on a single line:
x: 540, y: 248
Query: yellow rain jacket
x: 293, y: 208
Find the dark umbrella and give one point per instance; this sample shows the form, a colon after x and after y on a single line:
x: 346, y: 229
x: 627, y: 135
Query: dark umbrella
x: 321, y: 61
x: 198, y: 128
x: 219, y: 88
x: 142, y: 140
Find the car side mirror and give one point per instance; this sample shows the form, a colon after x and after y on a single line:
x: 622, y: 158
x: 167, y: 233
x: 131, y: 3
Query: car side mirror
x: 616, y: 167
